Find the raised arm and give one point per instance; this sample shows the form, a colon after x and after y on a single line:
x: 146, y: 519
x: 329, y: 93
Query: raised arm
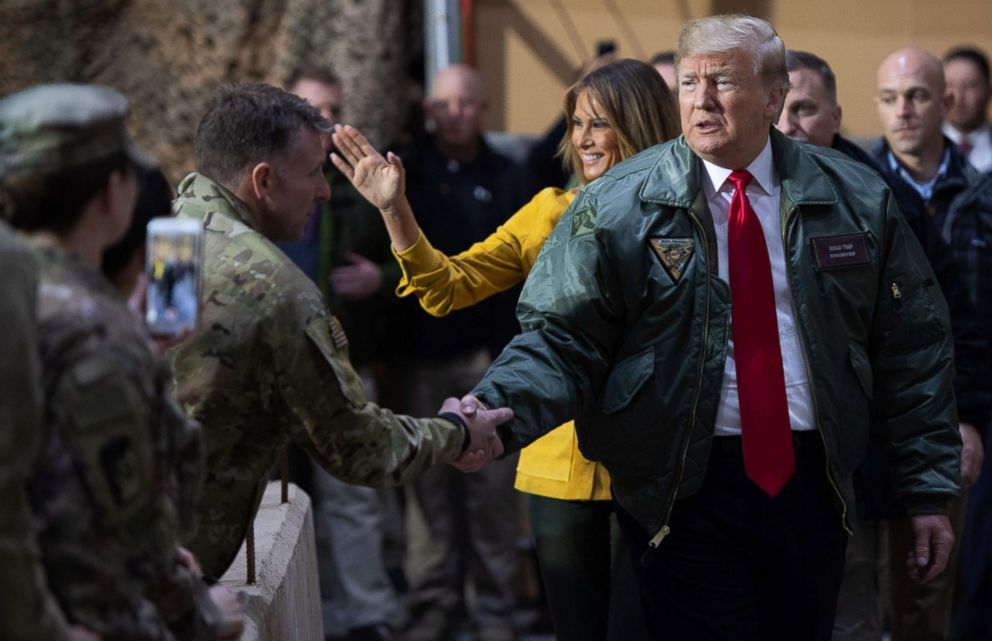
x: 442, y: 283
x: 381, y: 181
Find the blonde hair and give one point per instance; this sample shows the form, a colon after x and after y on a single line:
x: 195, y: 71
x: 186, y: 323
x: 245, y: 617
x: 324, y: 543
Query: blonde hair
x: 730, y: 32
x: 636, y: 103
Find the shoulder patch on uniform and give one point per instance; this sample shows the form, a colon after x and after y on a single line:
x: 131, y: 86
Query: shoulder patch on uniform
x: 583, y: 222
x: 337, y: 334
x: 674, y: 254
x: 120, y: 469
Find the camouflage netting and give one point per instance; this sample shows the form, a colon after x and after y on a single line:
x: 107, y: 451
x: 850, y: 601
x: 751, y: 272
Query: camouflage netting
x: 168, y: 56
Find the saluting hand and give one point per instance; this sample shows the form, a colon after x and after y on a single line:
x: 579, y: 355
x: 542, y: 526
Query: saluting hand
x: 382, y: 181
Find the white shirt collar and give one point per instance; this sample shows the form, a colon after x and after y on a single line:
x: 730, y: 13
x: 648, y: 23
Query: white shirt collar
x: 957, y: 136
x: 761, y: 168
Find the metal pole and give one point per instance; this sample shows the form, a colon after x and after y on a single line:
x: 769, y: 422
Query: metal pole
x: 441, y: 25
x: 284, y: 474
x: 250, y: 553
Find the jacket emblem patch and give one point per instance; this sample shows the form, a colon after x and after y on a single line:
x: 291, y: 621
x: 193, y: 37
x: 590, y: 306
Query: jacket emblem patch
x: 583, y: 222
x: 674, y: 254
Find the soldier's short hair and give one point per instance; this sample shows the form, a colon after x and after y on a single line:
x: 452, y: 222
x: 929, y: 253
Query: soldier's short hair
x: 248, y: 124
x: 321, y: 74
x: 975, y: 56
x: 796, y: 60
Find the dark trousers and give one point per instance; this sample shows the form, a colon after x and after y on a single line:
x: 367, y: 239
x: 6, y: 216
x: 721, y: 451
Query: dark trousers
x: 585, y: 568
x: 739, y: 565
x: 973, y: 610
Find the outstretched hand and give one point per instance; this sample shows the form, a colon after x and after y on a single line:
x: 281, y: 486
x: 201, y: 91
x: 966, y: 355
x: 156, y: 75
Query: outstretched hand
x: 381, y: 181
x: 485, y: 444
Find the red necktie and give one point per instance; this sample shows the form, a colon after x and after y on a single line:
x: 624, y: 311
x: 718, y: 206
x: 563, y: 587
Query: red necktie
x: 765, y: 431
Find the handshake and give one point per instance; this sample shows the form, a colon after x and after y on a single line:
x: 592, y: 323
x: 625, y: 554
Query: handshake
x: 484, y: 443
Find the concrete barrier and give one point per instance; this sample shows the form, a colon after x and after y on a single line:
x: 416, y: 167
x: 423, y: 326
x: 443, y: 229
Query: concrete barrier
x: 284, y: 602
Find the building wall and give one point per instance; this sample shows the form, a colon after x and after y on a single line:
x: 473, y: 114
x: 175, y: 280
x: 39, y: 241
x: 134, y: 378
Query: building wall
x: 170, y: 56
x: 528, y: 50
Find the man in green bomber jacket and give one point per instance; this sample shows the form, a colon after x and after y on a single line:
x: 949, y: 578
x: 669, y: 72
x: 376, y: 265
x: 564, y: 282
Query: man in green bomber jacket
x: 731, y: 424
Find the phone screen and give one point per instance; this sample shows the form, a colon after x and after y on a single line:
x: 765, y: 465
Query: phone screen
x: 174, y: 259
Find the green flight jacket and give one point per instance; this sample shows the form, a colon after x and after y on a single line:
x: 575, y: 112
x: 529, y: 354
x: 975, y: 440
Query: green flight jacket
x: 268, y: 364
x: 629, y: 336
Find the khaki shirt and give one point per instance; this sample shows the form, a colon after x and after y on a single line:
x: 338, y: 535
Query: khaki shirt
x: 27, y: 610
x: 119, y: 465
x: 269, y: 364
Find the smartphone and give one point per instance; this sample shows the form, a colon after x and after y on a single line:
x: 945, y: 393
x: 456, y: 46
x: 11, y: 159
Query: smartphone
x: 604, y: 47
x: 174, y: 259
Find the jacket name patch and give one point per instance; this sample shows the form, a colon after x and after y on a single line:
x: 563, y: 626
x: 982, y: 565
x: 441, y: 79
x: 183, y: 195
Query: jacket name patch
x: 838, y: 252
x: 674, y: 254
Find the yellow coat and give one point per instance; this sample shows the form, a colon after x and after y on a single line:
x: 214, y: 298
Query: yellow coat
x: 552, y: 466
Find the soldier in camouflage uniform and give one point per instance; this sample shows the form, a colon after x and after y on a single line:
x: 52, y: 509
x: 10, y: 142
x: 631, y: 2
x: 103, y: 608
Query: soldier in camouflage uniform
x: 269, y: 363
x: 27, y: 610
x: 104, y: 487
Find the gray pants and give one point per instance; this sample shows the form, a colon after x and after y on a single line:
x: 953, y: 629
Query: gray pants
x: 350, y: 521
x: 876, y: 568
x: 473, y: 517
x: 353, y: 583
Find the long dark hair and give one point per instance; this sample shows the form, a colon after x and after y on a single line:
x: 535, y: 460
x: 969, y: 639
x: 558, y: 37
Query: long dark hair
x: 636, y: 103
x: 154, y: 199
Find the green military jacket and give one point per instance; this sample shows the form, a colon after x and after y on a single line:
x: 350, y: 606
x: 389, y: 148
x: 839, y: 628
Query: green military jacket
x: 27, y: 610
x: 119, y: 466
x: 269, y: 364
x: 626, y: 322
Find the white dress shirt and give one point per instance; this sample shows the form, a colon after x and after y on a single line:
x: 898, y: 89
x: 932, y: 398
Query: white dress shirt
x: 980, y: 156
x: 764, y: 192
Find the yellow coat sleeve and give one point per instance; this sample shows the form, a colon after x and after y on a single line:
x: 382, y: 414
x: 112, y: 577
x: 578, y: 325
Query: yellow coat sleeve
x: 443, y: 284
x: 552, y: 466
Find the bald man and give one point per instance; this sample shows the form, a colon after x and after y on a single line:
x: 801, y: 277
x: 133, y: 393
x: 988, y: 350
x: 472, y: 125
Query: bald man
x: 929, y: 179
x: 454, y: 184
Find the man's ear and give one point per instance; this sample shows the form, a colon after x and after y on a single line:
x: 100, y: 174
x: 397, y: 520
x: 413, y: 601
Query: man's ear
x: 260, y: 180
x: 946, y: 102
x: 838, y: 118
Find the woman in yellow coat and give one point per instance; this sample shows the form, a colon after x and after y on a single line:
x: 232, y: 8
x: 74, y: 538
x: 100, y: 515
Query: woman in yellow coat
x: 614, y: 112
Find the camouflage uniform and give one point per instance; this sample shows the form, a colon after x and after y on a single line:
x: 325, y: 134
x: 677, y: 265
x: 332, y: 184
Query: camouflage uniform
x: 117, y: 474
x: 268, y: 364
x: 27, y: 611
x: 104, y: 490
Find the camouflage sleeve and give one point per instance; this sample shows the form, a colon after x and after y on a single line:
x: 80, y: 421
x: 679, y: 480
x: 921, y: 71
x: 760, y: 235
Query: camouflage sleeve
x: 356, y: 441
x: 187, y: 458
x: 27, y: 610
x: 101, y: 493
